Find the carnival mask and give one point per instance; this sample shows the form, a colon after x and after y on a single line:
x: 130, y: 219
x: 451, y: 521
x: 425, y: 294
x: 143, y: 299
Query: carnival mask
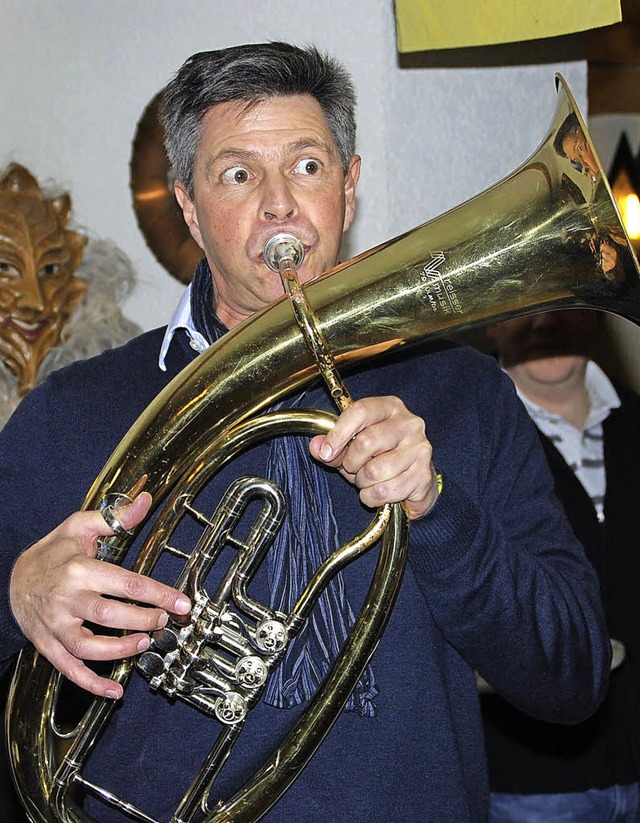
x: 38, y: 258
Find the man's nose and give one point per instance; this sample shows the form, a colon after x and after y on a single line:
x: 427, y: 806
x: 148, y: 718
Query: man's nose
x: 278, y: 201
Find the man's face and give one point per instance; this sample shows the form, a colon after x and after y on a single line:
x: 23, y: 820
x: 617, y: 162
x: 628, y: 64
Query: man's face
x: 271, y: 168
x: 38, y: 290
x: 577, y: 149
x: 548, y: 347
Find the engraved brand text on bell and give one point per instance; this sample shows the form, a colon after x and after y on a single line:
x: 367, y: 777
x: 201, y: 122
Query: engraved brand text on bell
x: 441, y: 293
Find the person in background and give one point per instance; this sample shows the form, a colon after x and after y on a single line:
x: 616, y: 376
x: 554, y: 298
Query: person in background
x: 590, y: 431
x: 261, y: 139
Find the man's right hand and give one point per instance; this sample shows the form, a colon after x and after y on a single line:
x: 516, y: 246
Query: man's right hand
x: 58, y: 585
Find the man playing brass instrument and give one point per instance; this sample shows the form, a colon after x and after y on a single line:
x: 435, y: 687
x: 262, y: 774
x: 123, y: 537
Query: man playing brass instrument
x: 262, y: 140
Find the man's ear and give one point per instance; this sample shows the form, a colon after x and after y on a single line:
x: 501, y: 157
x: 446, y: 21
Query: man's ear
x: 350, y: 183
x: 189, y: 211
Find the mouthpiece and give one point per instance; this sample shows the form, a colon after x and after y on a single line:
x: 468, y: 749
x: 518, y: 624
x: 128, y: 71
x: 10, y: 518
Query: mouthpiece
x: 282, y: 247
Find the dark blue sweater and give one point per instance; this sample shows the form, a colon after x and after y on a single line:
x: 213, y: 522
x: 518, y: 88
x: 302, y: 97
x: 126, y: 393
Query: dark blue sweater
x: 496, y: 582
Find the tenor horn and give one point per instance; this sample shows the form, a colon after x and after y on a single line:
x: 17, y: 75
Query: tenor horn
x: 546, y: 237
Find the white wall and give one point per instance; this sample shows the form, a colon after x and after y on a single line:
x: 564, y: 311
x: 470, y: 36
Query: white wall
x: 77, y: 75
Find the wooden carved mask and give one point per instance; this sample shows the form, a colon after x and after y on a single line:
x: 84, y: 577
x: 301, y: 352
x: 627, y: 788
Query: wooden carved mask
x: 38, y: 258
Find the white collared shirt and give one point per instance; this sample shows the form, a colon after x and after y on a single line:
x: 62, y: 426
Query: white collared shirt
x: 182, y: 319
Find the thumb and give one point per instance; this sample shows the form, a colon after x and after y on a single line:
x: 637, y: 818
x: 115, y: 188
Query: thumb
x: 97, y: 524
x: 320, y: 449
x: 130, y: 514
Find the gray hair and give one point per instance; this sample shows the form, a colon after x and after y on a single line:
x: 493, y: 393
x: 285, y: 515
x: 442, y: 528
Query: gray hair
x: 253, y: 73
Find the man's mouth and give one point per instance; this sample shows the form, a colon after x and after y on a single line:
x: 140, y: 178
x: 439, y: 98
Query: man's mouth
x: 261, y: 259
x: 307, y: 247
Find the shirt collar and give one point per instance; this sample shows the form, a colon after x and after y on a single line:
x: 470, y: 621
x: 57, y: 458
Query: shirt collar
x: 182, y: 319
x: 603, y: 397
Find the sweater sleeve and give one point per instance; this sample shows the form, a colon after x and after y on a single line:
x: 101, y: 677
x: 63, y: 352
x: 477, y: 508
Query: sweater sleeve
x: 506, y: 580
x: 54, y: 445
x: 30, y: 464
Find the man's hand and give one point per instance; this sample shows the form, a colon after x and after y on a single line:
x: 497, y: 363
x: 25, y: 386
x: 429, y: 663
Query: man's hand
x: 57, y: 585
x: 380, y: 447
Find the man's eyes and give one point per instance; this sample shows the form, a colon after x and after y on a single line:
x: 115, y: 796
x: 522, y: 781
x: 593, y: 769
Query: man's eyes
x: 236, y: 175
x: 307, y: 166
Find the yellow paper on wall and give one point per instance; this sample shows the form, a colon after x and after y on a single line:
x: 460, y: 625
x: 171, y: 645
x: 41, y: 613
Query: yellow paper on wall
x: 424, y: 25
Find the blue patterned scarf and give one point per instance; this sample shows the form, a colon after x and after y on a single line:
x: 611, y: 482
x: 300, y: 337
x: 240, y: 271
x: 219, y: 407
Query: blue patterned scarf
x: 307, y: 537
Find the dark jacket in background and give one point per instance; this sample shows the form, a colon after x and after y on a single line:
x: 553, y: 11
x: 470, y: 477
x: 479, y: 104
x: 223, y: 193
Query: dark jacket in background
x: 527, y: 756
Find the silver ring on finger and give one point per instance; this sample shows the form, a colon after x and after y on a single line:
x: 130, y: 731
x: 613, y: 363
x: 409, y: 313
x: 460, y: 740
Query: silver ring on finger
x: 108, y: 510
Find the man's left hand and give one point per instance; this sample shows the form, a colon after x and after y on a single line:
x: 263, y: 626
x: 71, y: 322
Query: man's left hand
x: 380, y: 447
